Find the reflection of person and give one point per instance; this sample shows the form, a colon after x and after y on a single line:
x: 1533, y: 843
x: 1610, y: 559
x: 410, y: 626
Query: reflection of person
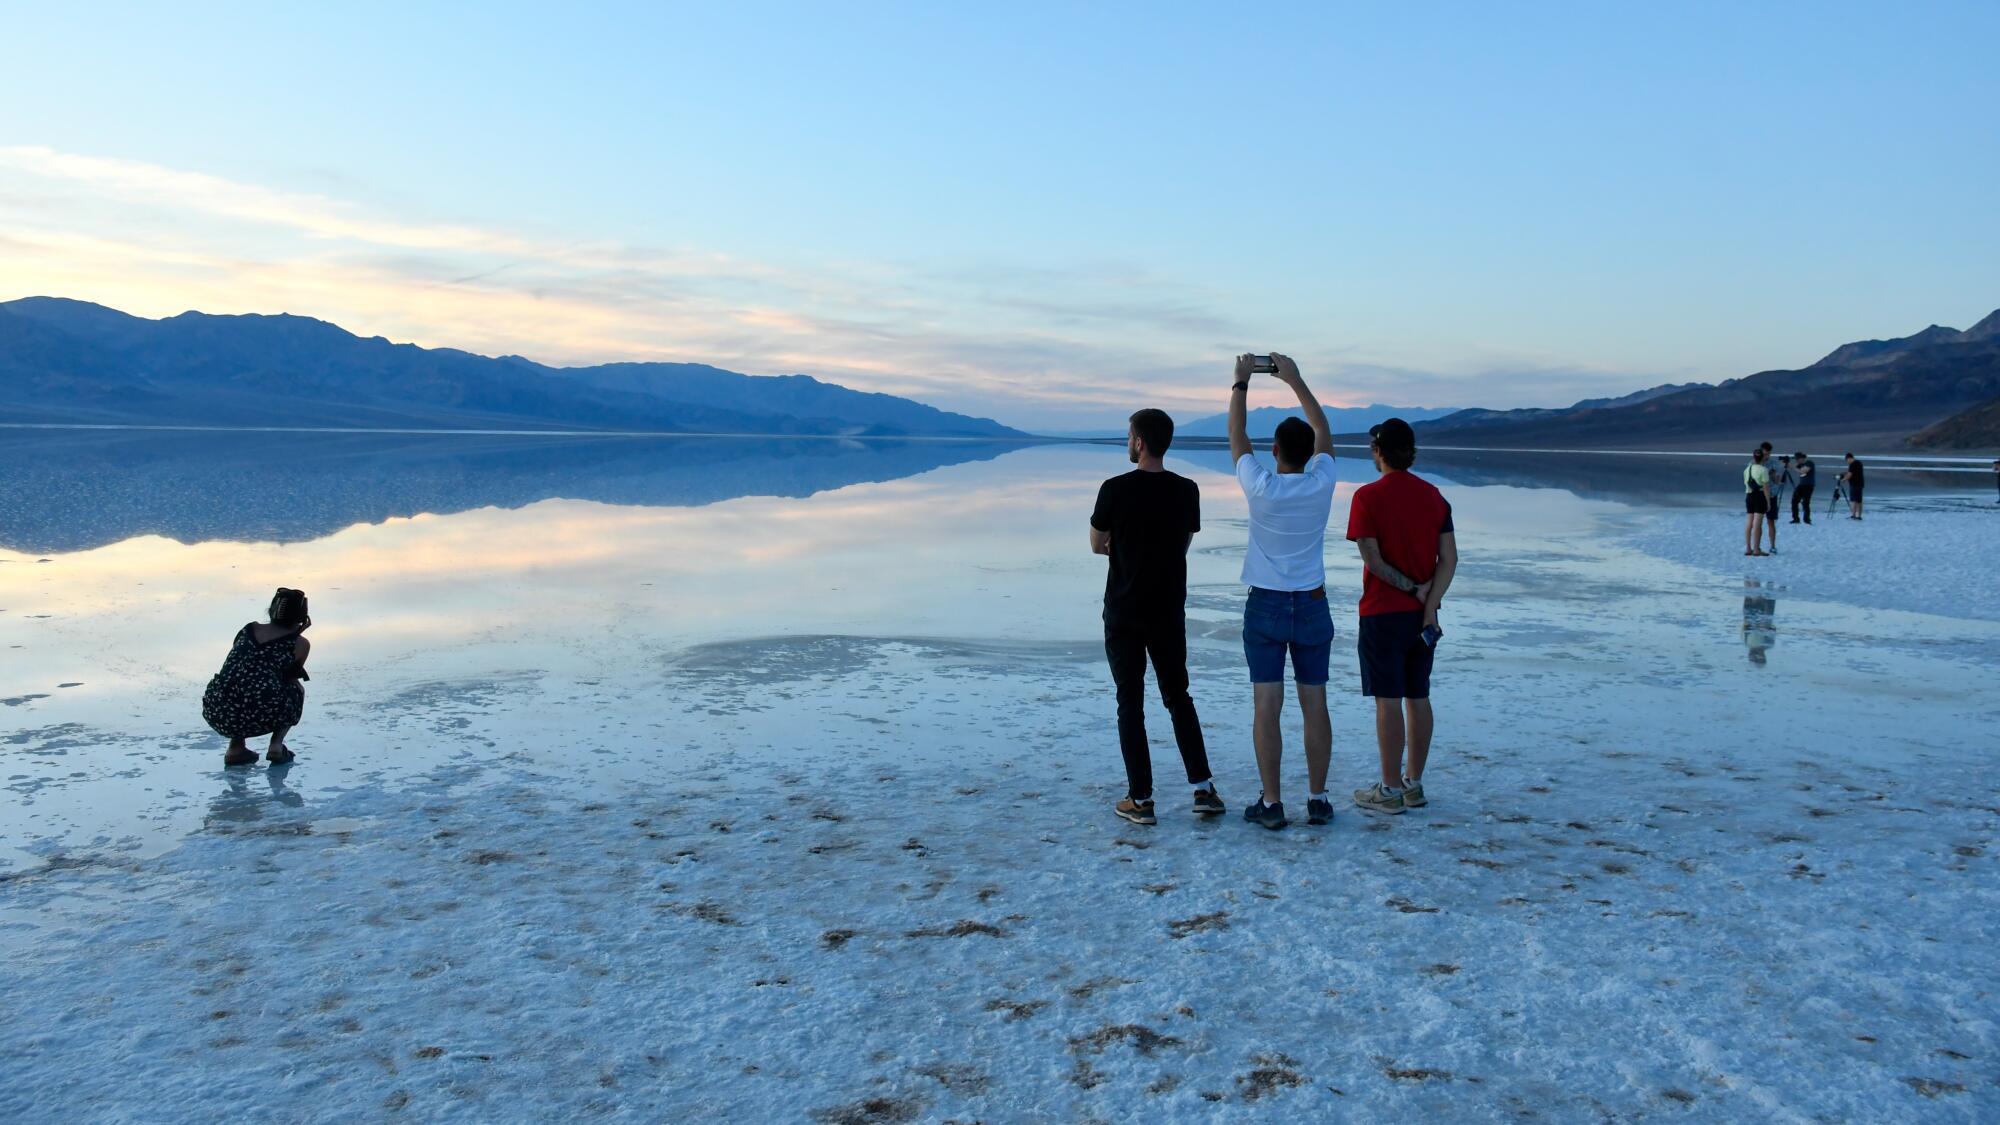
x: 1145, y: 520
x: 1996, y: 480
x: 1802, y: 468
x: 257, y: 692
x: 1853, y: 477
x: 1760, y: 621
x: 1756, y: 502
x: 1402, y: 525
x: 1285, y: 568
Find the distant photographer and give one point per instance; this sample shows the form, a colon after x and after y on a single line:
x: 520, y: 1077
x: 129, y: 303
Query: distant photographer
x: 1854, y: 480
x: 1802, y: 493
x: 1781, y: 479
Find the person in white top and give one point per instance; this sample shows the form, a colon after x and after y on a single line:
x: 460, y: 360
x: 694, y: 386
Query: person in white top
x: 1285, y: 568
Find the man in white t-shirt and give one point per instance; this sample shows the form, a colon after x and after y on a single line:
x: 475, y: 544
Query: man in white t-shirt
x: 1285, y: 568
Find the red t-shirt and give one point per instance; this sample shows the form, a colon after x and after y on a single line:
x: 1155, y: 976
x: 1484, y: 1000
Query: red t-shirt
x: 1404, y: 514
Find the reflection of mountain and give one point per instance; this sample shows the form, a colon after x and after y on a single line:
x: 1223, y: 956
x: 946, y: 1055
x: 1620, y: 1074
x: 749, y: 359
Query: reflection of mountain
x: 64, y: 490
x: 70, y: 361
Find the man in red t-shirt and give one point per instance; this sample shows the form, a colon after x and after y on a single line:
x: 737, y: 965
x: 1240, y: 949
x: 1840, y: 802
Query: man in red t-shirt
x: 1403, y: 526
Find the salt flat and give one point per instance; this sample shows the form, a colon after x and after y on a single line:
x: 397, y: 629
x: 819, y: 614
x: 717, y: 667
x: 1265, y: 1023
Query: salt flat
x: 1696, y: 848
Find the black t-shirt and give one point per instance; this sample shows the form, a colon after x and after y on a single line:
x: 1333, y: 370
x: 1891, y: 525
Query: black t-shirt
x: 1854, y: 473
x: 1149, y: 516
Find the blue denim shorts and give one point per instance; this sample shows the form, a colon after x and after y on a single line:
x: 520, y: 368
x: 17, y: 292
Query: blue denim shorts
x: 1274, y: 621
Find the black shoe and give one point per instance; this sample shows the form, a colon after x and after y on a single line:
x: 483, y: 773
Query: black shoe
x: 244, y: 757
x: 1319, y: 812
x: 280, y: 754
x: 1270, y: 816
x: 1207, y: 802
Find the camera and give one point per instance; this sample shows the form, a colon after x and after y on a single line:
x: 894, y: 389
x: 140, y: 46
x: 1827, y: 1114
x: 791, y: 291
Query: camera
x: 1263, y: 365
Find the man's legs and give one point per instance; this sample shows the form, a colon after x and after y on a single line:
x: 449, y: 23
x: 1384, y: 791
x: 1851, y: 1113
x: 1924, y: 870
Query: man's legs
x: 1264, y: 732
x: 1319, y: 736
x: 1802, y: 504
x: 1389, y: 740
x: 1127, y: 653
x: 1771, y: 525
x: 1168, y: 648
x: 1420, y: 737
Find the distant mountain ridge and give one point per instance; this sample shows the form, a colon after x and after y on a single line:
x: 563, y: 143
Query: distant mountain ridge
x: 72, y: 361
x: 1890, y: 386
x: 1341, y: 419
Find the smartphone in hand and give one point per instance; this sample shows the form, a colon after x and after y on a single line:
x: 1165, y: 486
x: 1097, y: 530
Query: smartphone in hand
x: 1432, y: 635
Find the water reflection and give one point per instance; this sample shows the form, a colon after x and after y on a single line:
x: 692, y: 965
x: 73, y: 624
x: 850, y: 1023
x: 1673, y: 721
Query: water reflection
x: 64, y: 490
x: 1760, y: 620
x: 243, y: 801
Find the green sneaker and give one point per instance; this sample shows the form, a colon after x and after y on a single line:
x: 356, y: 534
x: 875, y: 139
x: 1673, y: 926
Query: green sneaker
x: 1413, y: 794
x: 1378, y: 800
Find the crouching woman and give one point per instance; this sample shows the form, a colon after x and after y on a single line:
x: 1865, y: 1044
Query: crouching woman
x: 258, y: 692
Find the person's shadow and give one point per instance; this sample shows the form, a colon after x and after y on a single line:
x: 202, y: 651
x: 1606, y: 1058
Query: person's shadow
x: 1760, y: 620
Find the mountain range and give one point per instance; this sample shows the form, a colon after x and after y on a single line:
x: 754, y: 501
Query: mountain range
x: 1341, y: 419
x: 64, y: 361
x: 1868, y: 389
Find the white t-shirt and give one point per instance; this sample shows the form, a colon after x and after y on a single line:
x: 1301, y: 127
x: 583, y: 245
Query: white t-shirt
x: 1288, y: 513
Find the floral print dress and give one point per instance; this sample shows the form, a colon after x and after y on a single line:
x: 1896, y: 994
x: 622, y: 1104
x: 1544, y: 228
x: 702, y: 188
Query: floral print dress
x: 258, y: 689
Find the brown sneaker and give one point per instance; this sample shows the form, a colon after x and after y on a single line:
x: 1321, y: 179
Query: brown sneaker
x: 1207, y: 802
x: 1138, y: 812
x: 1378, y: 800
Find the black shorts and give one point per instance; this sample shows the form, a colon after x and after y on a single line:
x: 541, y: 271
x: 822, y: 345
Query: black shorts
x: 1755, y: 504
x: 1854, y: 492
x: 1395, y: 661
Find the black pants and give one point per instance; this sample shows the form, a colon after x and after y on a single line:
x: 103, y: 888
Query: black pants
x: 1802, y: 501
x: 1127, y: 644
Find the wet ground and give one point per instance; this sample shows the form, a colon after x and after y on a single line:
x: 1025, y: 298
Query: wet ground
x: 797, y: 808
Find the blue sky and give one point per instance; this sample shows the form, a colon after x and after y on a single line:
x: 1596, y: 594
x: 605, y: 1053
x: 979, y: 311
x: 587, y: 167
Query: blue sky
x: 1047, y: 214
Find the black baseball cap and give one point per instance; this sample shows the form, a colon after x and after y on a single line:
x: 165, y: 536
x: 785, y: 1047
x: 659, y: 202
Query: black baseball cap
x: 1393, y: 434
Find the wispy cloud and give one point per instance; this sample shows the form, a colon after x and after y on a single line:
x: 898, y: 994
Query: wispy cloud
x: 1031, y: 345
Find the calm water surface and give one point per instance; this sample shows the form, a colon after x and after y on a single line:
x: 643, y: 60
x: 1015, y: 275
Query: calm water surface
x: 450, y: 573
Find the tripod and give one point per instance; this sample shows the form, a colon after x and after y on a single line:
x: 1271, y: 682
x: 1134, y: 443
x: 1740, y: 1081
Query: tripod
x: 1839, y: 494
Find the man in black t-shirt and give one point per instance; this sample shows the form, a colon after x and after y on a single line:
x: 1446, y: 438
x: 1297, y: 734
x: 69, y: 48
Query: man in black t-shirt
x: 1144, y: 521
x: 1855, y: 480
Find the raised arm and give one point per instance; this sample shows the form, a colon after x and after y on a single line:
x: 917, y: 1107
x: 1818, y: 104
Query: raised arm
x: 1288, y: 373
x: 1239, y: 424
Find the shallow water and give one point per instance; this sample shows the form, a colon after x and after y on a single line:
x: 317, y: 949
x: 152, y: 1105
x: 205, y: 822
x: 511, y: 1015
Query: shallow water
x: 599, y: 583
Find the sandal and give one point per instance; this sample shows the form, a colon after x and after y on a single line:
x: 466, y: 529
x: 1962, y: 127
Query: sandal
x: 245, y: 757
x: 277, y: 755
